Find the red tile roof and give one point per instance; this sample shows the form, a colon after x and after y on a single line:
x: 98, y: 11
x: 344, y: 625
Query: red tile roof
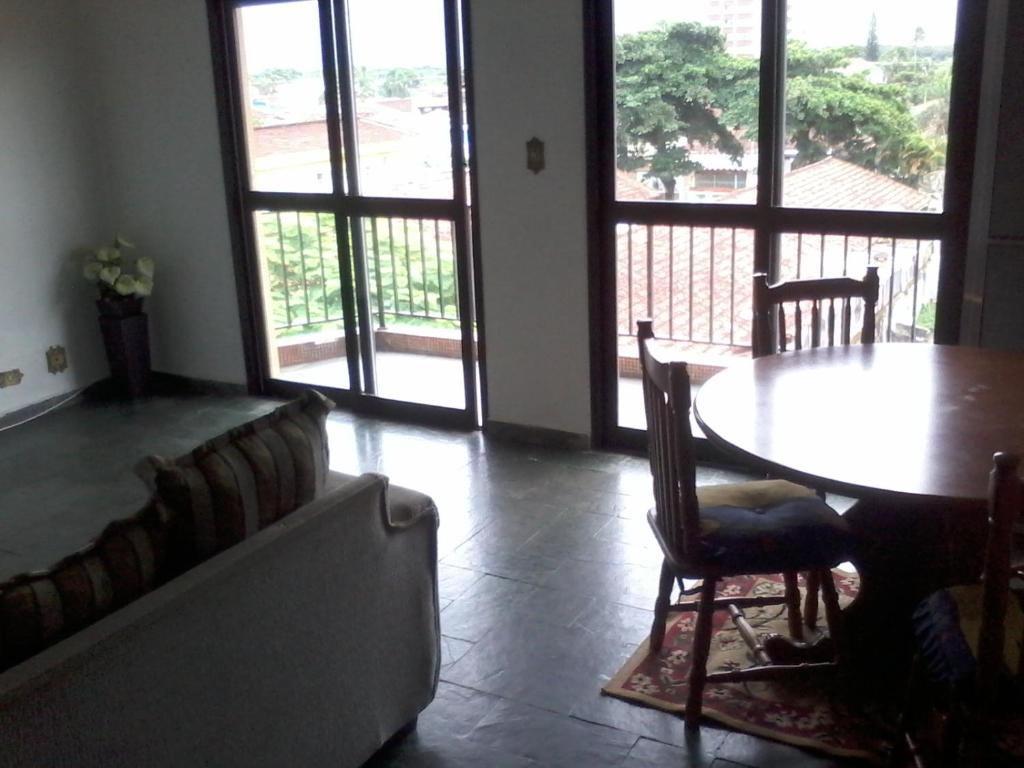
x: 629, y: 187
x: 838, y: 184
x: 303, y: 137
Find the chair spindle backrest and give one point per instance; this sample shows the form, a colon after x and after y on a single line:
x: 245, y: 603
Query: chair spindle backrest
x: 666, y: 385
x: 771, y: 331
x: 1004, y: 504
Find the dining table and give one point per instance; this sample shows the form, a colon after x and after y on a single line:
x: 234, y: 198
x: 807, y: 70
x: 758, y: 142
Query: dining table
x: 908, y: 430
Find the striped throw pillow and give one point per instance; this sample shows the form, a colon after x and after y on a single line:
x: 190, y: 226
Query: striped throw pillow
x: 126, y: 561
x: 245, y: 479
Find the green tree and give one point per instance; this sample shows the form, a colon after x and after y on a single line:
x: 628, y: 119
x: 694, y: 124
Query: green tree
x: 266, y: 81
x: 672, y: 87
x: 858, y: 121
x: 366, y: 84
x: 872, y: 51
x: 399, y: 83
x: 677, y: 85
x: 415, y: 270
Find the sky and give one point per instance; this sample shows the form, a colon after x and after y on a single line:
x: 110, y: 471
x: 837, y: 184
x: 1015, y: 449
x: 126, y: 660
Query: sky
x: 385, y: 33
x: 827, y: 22
x: 410, y: 33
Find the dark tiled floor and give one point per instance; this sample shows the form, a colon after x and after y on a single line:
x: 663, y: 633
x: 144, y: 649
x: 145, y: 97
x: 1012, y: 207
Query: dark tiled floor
x: 547, y: 574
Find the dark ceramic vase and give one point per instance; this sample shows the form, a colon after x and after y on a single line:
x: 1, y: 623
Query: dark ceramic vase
x: 125, y: 330
x: 122, y: 306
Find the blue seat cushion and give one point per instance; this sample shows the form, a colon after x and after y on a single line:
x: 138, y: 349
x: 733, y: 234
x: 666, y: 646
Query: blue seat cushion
x: 793, y: 535
x: 941, y: 642
x: 947, y: 626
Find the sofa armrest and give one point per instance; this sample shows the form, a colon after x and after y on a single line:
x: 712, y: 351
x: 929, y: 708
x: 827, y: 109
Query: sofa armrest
x: 310, y: 643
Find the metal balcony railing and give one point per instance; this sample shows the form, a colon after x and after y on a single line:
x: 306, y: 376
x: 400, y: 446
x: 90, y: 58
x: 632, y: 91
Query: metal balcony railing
x: 410, y: 268
x: 696, y: 282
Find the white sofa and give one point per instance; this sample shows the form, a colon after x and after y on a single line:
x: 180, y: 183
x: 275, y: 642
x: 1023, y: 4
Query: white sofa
x: 309, y: 644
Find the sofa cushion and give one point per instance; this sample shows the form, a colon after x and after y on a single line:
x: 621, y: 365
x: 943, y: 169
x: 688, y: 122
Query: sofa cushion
x: 245, y: 479
x: 126, y: 561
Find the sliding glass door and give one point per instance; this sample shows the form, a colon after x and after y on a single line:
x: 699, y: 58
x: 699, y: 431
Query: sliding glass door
x: 349, y: 143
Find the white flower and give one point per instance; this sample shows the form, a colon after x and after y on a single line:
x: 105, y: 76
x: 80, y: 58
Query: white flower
x: 92, y: 271
x: 110, y: 273
x: 116, y: 275
x: 125, y: 285
x: 108, y: 254
x: 143, y: 285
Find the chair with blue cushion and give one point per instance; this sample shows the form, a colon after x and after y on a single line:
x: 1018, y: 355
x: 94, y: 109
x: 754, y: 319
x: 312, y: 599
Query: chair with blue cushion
x: 716, y: 532
x: 803, y: 313
x: 967, y: 680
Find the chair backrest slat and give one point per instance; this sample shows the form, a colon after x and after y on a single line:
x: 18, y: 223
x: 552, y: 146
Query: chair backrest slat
x: 666, y: 386
x: 847, y: 321
x: 798, y: 327
x: 770, y: 334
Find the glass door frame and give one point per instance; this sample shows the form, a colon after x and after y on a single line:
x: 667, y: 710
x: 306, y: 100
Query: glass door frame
x: 349, y: 209
x: 767, y: 218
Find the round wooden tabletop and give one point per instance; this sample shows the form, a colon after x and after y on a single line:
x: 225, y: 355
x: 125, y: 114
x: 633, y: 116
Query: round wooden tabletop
x: 873, y: 421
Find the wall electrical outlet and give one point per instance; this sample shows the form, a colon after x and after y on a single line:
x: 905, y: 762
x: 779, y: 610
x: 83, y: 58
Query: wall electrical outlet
x: 56, y: 359
x: 10, y: 378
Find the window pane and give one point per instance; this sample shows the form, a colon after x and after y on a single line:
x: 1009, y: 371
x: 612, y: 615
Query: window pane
x: 414, y: 300
x: 301, y: 280
x: 867, y: 104
x: 696, y: 283
x: 285, y: 115
x: 908, y: 275
x: 686, y: 100
x: 401, y: 86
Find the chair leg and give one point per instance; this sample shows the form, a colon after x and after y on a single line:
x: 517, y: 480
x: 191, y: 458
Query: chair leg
x: 665, y: 583
x: 905, y: 744
x: 811, y: 600
x: 950, y: 743
x: 833, y: 614
x: 796, y: 630
x: 813, y: 584
x: 699, y: 651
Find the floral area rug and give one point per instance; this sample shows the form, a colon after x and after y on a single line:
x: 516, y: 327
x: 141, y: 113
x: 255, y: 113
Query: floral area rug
x: 806, y: 713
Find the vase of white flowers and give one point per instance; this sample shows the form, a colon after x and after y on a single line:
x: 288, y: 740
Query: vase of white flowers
x: 123, y: 281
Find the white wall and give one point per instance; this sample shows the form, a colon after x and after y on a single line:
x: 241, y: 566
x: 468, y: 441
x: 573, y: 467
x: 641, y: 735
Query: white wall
x: 528, y: 80
x: 50, y: 202
x: 155, y: 102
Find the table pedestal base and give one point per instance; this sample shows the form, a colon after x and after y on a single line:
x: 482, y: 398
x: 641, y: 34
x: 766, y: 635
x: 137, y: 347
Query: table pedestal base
x: 904, y: 552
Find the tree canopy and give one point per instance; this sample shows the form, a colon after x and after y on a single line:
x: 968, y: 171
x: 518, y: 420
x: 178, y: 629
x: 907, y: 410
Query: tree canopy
x: 677, y: 87
x: 672, y: 88
x: 266, y: 81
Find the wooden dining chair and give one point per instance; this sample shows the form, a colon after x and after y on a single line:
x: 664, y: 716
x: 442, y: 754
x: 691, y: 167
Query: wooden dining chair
x: 812, y: 318
x: 968, y: 672
x: 802, y: 314
x: 715, y: 532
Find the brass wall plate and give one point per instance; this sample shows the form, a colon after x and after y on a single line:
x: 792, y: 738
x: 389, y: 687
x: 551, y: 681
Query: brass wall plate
x: 56, y: 359
x: 10, y: 378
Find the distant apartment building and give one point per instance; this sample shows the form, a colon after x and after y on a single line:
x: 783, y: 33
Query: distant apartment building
x: 740, y: 20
